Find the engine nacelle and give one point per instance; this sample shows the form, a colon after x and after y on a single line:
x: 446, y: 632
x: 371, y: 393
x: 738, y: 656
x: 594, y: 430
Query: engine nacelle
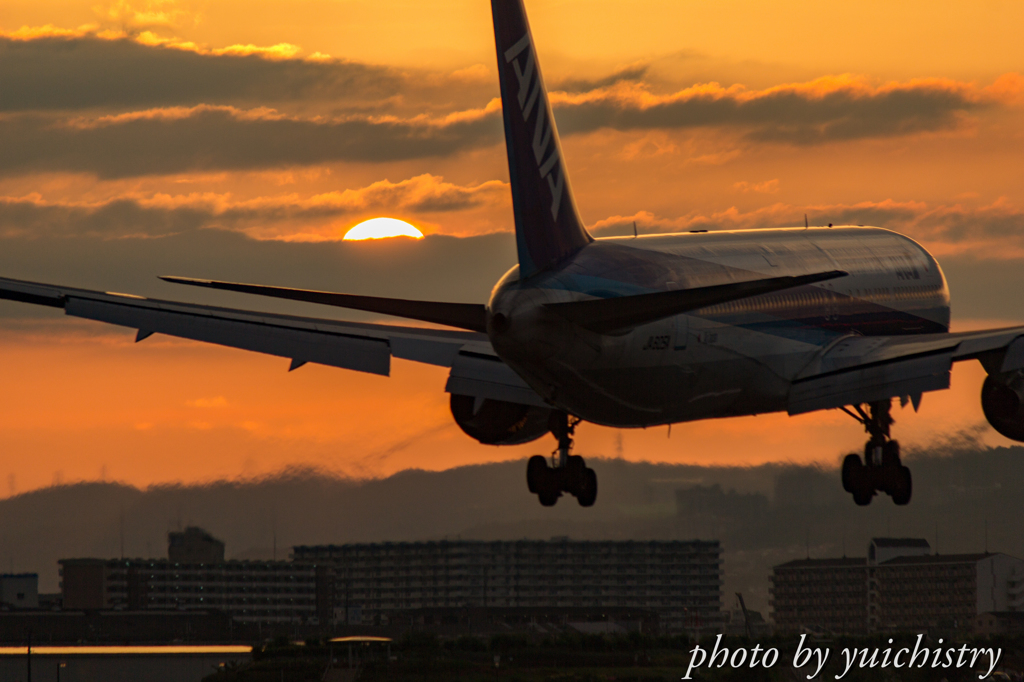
x: 1002, y: 401
x: 496, y: 422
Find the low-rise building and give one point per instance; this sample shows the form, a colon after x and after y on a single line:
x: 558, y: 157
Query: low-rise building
x: 900, y: 586
x: 1000, y: 623
x: 249, y: 591
x: 19, y: 590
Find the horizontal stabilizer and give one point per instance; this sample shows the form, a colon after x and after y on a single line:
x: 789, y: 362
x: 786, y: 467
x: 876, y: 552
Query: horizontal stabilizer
x: 471, y: 316
x: 606, y: 315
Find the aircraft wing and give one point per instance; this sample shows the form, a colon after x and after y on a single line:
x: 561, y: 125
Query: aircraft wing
x: 351, y: 345
x: 862, y: 369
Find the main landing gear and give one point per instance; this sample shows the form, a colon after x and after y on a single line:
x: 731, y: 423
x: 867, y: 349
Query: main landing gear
x: 881, y: 469
x: 568, y: 474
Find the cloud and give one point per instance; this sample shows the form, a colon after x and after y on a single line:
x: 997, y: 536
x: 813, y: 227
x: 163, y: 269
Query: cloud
x: 175, y: 140
x: 834, y: 108
x: 207, y: 137
x: 992, y: 230
x: 632, y: 73
x: 57, y: 69
x: 152, y: 13
x: 161, y: 214
x: 120, y: 105
x: 766, y: 187
x: 423, y: 193
x: 32, y: 217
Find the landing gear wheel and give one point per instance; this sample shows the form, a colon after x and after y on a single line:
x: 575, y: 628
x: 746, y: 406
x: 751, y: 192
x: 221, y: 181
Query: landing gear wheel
x: 544, y: 481
x: 536, y: 468
x: 862, y: 496
x: 891, y: 453
x: 853, y: 470
x: 857, y: 480
x: 569, y: 473
x: 587, y: 493
x: 548, y: 497
x: 575, y: 469
x: 547, y: 481
x: 881, y: 470
x: 903, y: 486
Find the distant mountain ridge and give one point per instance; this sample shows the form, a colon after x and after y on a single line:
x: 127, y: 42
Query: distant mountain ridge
x: 762, y: 515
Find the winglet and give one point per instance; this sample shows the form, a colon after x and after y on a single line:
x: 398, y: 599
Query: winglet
x: 548, y: 225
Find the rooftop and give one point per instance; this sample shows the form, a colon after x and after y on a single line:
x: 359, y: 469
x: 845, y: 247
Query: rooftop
x: 899, y: 542
x: 937, y: 559
x: 815, y: 563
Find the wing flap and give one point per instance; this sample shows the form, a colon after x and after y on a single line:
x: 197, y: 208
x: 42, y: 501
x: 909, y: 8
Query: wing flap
x: 488, y: 377
x: 262, y: 336
x: 869, y: 382
x: 30, y: 292
x: 1013, y: 359
x: 860, y: 369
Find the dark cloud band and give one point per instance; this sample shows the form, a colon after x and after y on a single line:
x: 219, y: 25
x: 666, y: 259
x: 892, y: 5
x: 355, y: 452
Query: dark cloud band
x: 132, y: 216
x: 58, y: 73
x: 221, y: 139
x: 792, y: 116
x: 46, y: 80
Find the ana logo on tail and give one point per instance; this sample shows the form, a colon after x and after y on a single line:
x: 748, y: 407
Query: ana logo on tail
x: 529, y: 100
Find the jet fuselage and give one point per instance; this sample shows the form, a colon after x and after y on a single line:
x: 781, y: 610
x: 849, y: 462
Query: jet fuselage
x: 737, y: 358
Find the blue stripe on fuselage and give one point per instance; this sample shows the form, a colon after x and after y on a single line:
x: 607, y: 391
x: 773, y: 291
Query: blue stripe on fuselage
x: 808, y: 324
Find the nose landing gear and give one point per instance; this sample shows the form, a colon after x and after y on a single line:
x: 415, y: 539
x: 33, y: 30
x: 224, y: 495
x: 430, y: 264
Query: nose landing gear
x: 568, y: 473
x: 881, y: 469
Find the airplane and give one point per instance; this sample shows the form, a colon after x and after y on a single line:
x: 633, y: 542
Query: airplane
x: 636, y: 331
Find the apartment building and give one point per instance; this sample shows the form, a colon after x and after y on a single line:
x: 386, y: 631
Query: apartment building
x: 899, y: 587
x: 377, y: 582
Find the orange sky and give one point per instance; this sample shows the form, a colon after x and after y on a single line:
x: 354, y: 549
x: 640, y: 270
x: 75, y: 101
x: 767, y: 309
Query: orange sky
x: 905, y: 116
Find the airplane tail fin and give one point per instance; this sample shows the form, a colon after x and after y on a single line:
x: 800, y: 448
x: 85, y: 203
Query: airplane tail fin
x: 548, y: 225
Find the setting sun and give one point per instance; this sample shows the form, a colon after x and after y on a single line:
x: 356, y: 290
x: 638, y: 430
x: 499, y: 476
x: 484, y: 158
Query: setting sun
x: 380, y: 228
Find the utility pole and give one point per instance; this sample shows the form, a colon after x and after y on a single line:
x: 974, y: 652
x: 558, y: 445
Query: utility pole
x: 746, y: 616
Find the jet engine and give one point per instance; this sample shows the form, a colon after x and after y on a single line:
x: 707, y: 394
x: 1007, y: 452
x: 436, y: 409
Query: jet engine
x: 496, y: 422
x: 1002, y: 401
